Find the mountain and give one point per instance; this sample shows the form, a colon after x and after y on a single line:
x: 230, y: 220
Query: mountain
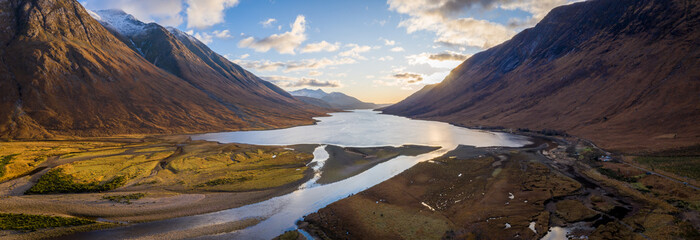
x: 623, y: 73
x: 318, y: 93
x: 63, y: 73
x: 315, y: 101
x: 335, y: 99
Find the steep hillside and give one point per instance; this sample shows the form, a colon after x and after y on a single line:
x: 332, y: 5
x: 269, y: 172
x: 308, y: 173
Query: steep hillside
x: 258, y: 102
x: 62, y: 73
x: 623, y: 73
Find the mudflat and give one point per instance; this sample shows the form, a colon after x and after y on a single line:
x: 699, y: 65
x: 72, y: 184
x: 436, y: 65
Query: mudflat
x: 506, y: 193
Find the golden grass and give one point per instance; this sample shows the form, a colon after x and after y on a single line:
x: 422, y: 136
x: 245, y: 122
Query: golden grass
x: 31, y: 154
x: 254, y: 167
x: 105, y: 168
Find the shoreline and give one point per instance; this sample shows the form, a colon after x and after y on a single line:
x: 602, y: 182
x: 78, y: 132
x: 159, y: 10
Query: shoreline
x: 434, y: 193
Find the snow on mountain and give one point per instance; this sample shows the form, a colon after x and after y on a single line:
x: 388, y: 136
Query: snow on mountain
x: 122, y: 22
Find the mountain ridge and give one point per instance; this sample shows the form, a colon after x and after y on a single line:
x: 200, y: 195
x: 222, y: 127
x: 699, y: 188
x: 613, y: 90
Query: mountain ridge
x: 336, y: 100
x: 621, y: 73
x: 64, y: 74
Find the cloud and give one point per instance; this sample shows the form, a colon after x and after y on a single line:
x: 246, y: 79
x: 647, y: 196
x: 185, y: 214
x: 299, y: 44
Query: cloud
x: 398, y: 49
x: 355, y: 51
x: 447, y: 60
x: 315, y: 73
x: 292, y: 82
x: 206, y: 13
x: 284, y: 43
x: 268, y: 23
x: 409, y: 77
x: 443, y: 17
x: 164, y: 12
x: 389, y: 42
x: 321, y: 46
x: 295, y: 65
x: 222, y: 34
x: 244, y: 56
x: 386, y: 58
x: 449, y: 56
x: 204, y: 37
x: 207, y: 38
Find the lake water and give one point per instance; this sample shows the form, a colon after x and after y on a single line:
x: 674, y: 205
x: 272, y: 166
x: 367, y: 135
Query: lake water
x: 360, y: 128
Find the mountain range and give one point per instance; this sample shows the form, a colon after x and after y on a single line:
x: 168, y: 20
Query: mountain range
x: 335, y: 100
x: 65, y: 73
x: 623, y: 73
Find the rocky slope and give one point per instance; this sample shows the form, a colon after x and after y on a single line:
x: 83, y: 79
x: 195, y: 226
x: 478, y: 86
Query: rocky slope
x: 335, y: 99
x: 63, y: 73
x: 623, y: 73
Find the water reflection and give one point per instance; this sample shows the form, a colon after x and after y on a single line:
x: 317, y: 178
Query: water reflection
x: 362, y: 128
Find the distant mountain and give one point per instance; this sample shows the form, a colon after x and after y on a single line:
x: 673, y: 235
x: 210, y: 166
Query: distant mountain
x: 315, y: 101
x: 318, y: 93
x: 335, y: 99
x: 63, y: 73
x: 624, y: 73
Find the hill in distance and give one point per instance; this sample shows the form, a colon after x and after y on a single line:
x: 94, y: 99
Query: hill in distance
x: 62, y: 73
x: 623, y: 73
x: 335, y: 100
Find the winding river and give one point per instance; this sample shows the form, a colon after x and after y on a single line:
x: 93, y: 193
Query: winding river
x: 360, y: 128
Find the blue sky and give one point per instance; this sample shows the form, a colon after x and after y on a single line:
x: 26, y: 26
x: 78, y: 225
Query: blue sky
x: 378, y: 51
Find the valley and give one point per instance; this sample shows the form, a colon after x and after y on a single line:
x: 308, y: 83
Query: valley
x: 231, y: 119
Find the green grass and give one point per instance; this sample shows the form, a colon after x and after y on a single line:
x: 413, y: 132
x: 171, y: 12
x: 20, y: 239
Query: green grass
x: 686, y: 166
x: 4, y: 161
x: 55, y: 181
x: 125, y: 198
x: 25, y: 222
x: 223, y: 181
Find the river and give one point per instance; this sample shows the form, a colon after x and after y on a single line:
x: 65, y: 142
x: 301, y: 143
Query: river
x: 359, y: 128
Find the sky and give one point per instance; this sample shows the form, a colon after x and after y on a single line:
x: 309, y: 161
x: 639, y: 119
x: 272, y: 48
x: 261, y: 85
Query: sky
x: 378, y: 51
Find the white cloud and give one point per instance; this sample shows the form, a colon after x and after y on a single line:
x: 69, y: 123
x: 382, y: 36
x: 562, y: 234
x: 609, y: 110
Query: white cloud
x: 315, y: 73
x: 164, y: 12
x: 268, y: 23
x: 207, y: 38
x: 295, y: 65
x: 206, y: 13
x: 398, y: 49
x: 204, y: 37
x: 244, y: 56
x: 446, y: 60
x: 443, y: 18
x: 222, y: 34
x: 294, y: 82
x: 321, y: 46
x: 389, y: 42
x: 284, y: 43
x: 386, y: 58
x: 355, y: 51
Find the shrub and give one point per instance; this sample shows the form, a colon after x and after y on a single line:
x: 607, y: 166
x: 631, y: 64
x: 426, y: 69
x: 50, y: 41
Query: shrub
x: 25, y: 222
x: 222, y: 181
x: 615, y: 175
x: 125, y: 198
x: 4, y: 161
x: 55, y: 181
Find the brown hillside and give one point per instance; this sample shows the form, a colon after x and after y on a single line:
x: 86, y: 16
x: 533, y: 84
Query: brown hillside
x: 623, y: 73
x: 62, y: 73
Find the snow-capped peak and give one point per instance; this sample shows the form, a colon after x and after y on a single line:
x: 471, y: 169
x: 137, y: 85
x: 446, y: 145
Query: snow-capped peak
x: 180, y: 34
x: 94, y: 15
x: 120, y: 21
